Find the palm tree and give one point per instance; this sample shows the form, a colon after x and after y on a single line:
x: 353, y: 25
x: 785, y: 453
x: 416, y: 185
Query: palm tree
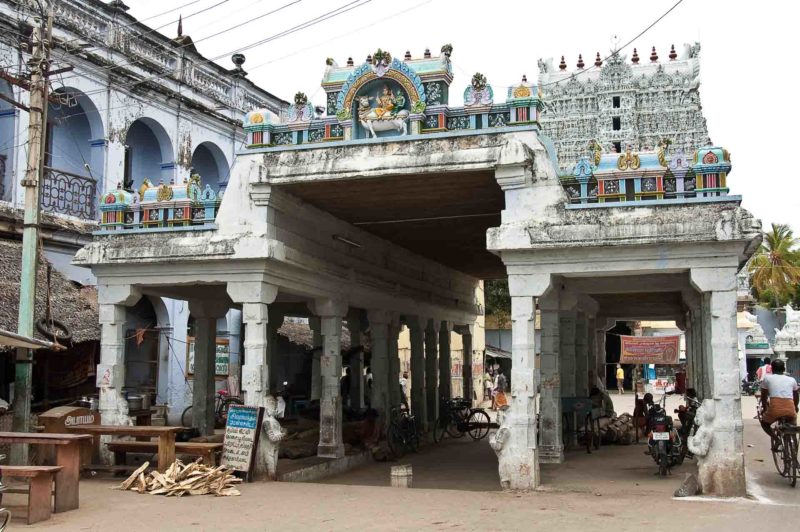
x: 776, y: 264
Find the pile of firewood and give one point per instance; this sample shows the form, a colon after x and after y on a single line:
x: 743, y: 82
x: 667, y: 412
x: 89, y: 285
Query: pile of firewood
x: 183, y: 479
x: 619, y: 430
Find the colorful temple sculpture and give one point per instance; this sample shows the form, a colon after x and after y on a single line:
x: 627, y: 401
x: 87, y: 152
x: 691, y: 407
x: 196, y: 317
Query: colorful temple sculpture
x: 385, y: 97
x: 648, y: 175
x: 598, y: 196
x: 185, y: 205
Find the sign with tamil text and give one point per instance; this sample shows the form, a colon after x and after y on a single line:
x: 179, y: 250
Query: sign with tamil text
x: 222, y: 358
x: 241, y: 437
x: 650, y: 349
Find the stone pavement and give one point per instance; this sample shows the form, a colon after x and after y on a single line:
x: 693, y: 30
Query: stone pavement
x: 455, y: 487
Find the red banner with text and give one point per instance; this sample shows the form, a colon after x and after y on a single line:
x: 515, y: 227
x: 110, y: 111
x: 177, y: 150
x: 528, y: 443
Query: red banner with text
x: 650, y: 349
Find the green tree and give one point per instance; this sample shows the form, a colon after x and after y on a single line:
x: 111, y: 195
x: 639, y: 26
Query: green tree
x: 498, y: 302
x: 776, y: 266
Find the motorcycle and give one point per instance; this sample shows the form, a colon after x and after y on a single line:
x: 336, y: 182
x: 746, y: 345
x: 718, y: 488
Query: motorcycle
x: 663, y: 441
x: 750, y: 387
x: 687, y: 415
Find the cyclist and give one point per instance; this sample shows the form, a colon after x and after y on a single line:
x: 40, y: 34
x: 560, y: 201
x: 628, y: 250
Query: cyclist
x: 779, y: 397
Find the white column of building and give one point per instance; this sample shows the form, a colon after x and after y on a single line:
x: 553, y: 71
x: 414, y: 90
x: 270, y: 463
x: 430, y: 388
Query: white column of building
x: 418, y: 400
x: 255, y: 298
x: 205, y: 314
x: 331, y: 314
x: 113, y: 301
x: 432, y: 371
x: 581, y: 355
x: 721, y: 472
x: 552, y: 445
x: 445, y: 363
x: 379, y: 335
x: 515, y: 442
x: 316, y: 354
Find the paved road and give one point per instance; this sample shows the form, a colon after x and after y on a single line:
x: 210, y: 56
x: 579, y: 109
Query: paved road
x: 455, y: 487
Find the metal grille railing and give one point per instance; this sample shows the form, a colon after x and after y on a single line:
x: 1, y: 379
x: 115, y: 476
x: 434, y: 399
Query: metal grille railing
x: 68, y: 193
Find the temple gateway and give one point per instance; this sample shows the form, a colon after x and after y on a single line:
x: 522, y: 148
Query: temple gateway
x: 389, y: 206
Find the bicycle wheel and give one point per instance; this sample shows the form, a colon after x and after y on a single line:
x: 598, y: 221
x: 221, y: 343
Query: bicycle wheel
x: 439, y: 429
x: 6, y: 517
x: 412, y: 441
x: 455, y: 425
x: 186, y: 417
x: 790, y: 457
x: 395, y: 441
x: 478, y: 424
x: 777, y: 455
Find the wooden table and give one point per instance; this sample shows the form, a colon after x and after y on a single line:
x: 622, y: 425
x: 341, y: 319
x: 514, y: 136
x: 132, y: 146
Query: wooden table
x: 68, y: 456
x: 165, y: 435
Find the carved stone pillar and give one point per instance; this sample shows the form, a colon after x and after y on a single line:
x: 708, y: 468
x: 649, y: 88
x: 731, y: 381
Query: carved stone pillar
x: 581, y: 356
x: 515, y: 442
x: 255, y: 297
x: 205, y: 314
x: 379, y: 334
x: 419, y: 404
x: 721, y: 470
x: 316, y: 354
x: 552, y: 445
x: 395, y: 395
x: 356, y: 360
x: 432, y: 371
x: 445, y: 363
x: 466, y: 360
x: 330, y: 417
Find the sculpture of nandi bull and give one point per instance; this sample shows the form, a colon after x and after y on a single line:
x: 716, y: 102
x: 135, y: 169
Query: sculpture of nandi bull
x: 369, y: 119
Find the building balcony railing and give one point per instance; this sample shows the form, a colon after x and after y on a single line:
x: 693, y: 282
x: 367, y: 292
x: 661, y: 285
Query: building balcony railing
x: 67, y: 193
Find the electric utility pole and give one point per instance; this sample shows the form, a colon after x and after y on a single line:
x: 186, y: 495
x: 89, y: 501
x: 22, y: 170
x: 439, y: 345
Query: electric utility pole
x: 39, y: 64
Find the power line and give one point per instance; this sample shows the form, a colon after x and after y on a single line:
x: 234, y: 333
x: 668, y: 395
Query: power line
x: 609, y: 56
x: 311, y: 22
x: 615, y: 52
x: 356, y: 30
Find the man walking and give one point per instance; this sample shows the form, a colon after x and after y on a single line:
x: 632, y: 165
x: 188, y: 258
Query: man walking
x: 620, y: 379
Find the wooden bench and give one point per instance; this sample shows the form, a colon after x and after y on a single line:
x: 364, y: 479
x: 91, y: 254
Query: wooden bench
x: 207, y: 451
x: 41, y: 488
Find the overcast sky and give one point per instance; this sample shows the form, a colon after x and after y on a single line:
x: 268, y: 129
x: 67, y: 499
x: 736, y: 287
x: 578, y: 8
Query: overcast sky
x: 748, y: 58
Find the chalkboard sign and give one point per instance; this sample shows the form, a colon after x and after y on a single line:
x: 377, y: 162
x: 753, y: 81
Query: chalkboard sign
x: 241, y: 437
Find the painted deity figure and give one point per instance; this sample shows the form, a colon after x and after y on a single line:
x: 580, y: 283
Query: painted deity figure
x: 385, y: 104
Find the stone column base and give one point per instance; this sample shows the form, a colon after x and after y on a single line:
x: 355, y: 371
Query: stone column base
x: 723, y: 476
x: 551, y: 454
x: 330, y: 451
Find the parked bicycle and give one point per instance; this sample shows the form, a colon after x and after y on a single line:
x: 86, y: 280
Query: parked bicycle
x: 457, y: 417
x: 403, y: 435
x: 222, y: 402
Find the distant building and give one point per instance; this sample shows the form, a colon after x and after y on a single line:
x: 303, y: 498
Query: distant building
x: 137, y: 105
x: 620, y: 102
